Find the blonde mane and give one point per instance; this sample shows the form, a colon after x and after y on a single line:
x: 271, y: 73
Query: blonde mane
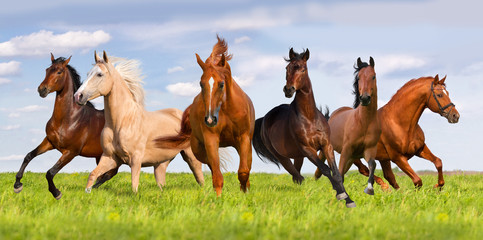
x: 130, y: 71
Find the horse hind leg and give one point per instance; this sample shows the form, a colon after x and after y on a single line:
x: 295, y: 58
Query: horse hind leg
x: 42, y: 148
x: 428, y: 155
x: 160, y: 173
x: 66, y: 157
x: 194, y: 164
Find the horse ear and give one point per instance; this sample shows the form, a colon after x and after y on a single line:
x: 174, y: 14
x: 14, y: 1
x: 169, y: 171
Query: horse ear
x: 104, y: 56
x: 52, y: 58
x: 96, y: 57
x: 436, y: 79
x: 442, y: 80
x: 200, y: 62
x: 359, y: 62
x: 291, y: 54
x: 222, y: 61
x: 306, y: 55
x: 67, y: 61
x: 371, y: 61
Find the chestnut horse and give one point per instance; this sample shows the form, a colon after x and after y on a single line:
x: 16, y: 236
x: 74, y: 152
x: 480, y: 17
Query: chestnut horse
x: 402, y: 137
x: 221, y: 115
x: 298, y: 130
x: 72, y: 130
x: 356, y: 131
x: 127, y: 137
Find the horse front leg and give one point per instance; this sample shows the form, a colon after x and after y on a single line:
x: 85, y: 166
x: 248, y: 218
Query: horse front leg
x: 365, y: 171
x: 212, y: 145
x: 245, y: 152
x: 42, y: 148
x: 369, y: 156
x: 135, y: 165
x: 107, y: 163
x: 428, y: 155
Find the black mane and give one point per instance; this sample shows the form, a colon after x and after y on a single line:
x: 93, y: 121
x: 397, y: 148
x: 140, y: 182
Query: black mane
x: 75, y: 77
x: 356, y: 92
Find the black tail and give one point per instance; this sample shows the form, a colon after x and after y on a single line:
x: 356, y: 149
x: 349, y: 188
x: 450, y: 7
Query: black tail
x: 260, y: 148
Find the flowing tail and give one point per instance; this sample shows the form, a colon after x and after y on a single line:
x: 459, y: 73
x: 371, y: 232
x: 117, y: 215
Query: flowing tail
x: 260, y: 148
x: 180, y: 141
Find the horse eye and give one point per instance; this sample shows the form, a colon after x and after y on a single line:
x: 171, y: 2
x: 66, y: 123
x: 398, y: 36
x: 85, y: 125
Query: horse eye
x: 221, y: 85
x: 59, y: 72
x: 374, y: 78
x: 440, y: 95
x: 99, y: 74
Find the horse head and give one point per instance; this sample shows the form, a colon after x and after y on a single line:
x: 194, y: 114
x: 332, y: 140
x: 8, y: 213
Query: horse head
x: 99, y: 81
x: 296, y: 70
x: 365, y: 82
x: 439, y: 101
x: 55, y: 76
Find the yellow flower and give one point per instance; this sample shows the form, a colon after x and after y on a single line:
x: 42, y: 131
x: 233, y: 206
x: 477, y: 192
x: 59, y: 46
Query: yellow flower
x: 442, y: 217
x: 114, y: 216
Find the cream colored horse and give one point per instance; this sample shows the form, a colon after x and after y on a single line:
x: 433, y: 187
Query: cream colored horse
x: 127, y: 137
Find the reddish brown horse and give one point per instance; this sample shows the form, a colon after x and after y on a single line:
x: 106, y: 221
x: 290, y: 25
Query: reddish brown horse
x: 72, y: 130
x: 356, y: 131
x: 402, y: 137
x: 298, y: 130
x: 221, y: 115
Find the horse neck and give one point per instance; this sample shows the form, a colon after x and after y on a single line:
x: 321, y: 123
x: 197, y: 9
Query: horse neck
x: 304, y: 99
x: 408, y: 105
x: 118, y: 103
x: 64, y: 100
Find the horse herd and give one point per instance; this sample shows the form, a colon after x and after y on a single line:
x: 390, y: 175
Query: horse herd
x: 223, y: 115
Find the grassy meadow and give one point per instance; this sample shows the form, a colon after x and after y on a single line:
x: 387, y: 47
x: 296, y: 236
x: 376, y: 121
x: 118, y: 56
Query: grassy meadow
x: 275, y: 208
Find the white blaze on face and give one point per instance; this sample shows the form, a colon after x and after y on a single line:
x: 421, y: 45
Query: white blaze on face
x: 445, y: 92
x: 210, y: 82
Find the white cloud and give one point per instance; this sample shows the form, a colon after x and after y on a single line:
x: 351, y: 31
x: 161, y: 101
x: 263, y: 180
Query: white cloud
x: 10, y: 127
x: 5, y: 81
x: 393, y: 63
x: 184, y: 89
x: 43, y: 42
x: 242, y: 39
x: 14, y: 115
x: 12, y: 157
x: 243, y: 81
x: 9, y: 68
x: 175, y: 69
x: 32, y: 108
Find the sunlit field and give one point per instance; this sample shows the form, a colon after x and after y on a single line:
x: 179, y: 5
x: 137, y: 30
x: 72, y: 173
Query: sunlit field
x: 275, y: 208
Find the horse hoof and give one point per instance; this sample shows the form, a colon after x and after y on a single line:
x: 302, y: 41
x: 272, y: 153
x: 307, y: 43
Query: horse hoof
x: 342, y: 196
x: 88, y: 190
x: 18, y: 190
x: 350, y: 205
x: 369, y: 191
x: 59, y: 196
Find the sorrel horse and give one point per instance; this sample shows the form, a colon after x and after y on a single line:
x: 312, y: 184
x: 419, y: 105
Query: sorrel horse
x: 402, y: 137
x: 127, y: 137
x: 356, y: 131
x: 298, y: 130
x: 221, y: 115
x: 72, y: 130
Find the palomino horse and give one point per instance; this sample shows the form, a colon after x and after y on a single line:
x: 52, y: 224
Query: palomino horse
x: 298, y: 130
x: 356, y: 131
x: 221, y: 115
x: 129, y: 131
x: 72, y: 130
x: 401, y: 136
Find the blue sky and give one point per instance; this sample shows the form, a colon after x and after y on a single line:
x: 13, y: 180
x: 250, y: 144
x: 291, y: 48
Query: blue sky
x: 408, y: 39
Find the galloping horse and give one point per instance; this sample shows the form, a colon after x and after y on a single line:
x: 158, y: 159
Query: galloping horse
x: 127, y: 137
x: 221, y: 115
x: 298, y: 130
x: 72, y: 130
x: 401, y: 136
x: 356, y: 131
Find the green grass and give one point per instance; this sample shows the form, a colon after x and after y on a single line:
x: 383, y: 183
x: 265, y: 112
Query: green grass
x: 275, y: 208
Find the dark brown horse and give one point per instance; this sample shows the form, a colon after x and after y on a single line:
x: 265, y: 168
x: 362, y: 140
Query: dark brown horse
x: 402, y: 137
x: 221, y: 115
x: 298, y: 130
x: 72, y: 130
x: 356, y: 131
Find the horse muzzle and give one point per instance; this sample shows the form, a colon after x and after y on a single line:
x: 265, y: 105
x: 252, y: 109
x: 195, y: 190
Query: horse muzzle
x: 43, y: 91
x: 80, y: 98
x: 453, y: 117
x: 211, y: 121
x: 365, y: 99
x: 289, y: 91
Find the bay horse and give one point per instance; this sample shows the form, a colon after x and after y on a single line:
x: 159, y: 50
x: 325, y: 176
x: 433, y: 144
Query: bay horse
x: 129, y: 130
x: 298, y: 130
x: 402, y: 137
x: 221, y: 115
x: 355, y: 131
x: 73, y: 130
